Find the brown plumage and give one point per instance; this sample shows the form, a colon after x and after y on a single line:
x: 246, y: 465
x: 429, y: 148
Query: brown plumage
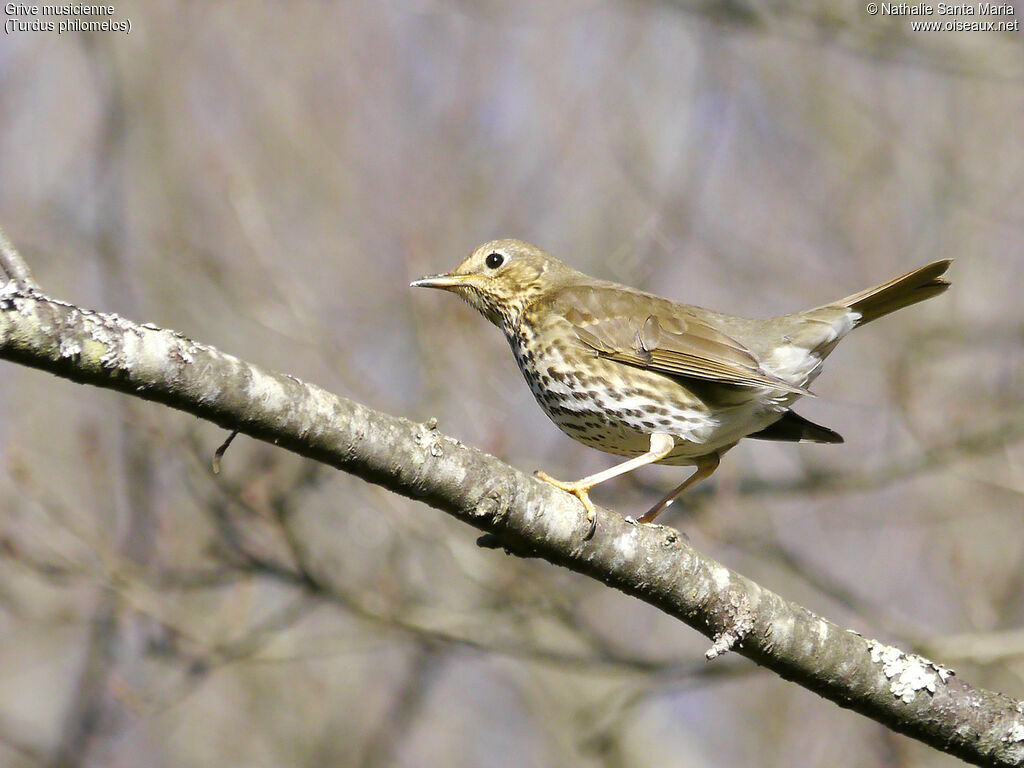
x: 640, y: 376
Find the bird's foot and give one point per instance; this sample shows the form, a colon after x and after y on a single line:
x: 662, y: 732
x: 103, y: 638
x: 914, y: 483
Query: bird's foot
x: 580, y: 491
x: 653, y: 512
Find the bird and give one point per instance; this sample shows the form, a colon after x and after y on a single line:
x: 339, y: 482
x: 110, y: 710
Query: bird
x: 640, y: 376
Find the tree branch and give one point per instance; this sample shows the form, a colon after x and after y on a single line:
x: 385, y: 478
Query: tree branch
x: 13, y: 267
x: 654, y: 563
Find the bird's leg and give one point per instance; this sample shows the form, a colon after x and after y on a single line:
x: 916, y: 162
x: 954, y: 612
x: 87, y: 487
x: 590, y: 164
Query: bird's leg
x: 706, y: 465
x: 662, y: 444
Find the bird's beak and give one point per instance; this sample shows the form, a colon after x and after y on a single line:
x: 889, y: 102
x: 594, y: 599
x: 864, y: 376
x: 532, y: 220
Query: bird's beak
x: 447, y: 281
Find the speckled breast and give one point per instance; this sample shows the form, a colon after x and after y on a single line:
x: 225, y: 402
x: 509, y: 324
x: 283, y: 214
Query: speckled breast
x: 606, y: 405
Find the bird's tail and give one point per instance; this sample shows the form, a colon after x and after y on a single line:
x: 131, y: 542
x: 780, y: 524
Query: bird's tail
x: 917, y: 285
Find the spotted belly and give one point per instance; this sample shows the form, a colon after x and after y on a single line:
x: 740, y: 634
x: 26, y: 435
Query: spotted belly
x: 598, y: 406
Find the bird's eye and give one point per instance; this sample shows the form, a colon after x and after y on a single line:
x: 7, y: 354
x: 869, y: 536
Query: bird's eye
x: 494, y: 260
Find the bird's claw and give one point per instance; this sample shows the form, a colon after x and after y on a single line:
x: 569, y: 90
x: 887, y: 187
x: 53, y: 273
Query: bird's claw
x: 581, y: 492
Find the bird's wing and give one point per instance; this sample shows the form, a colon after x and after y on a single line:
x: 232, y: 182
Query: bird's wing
x: 674, y: 343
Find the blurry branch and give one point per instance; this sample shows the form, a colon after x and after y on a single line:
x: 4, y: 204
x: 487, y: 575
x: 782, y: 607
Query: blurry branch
x: 978, y: 442
x: 204, y: 657
x: 848, y: 28
x: 13, y: 267
x: 982, y: 647
x: 91, y: 704
x: 394, y: 727
x: 904, y: 692
x: 15, y: 743
x: 819, y: 578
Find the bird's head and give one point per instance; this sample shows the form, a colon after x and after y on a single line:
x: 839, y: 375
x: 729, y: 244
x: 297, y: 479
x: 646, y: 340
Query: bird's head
x: 501, y: 278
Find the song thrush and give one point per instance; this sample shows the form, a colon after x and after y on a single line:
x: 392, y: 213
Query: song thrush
x: 637, y: 375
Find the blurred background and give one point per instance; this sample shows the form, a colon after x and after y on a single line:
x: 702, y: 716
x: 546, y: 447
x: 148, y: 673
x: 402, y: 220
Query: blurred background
x: 269, y: 178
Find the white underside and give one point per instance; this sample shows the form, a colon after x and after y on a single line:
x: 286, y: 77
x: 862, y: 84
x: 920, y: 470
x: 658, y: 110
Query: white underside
x: 797, y: 363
